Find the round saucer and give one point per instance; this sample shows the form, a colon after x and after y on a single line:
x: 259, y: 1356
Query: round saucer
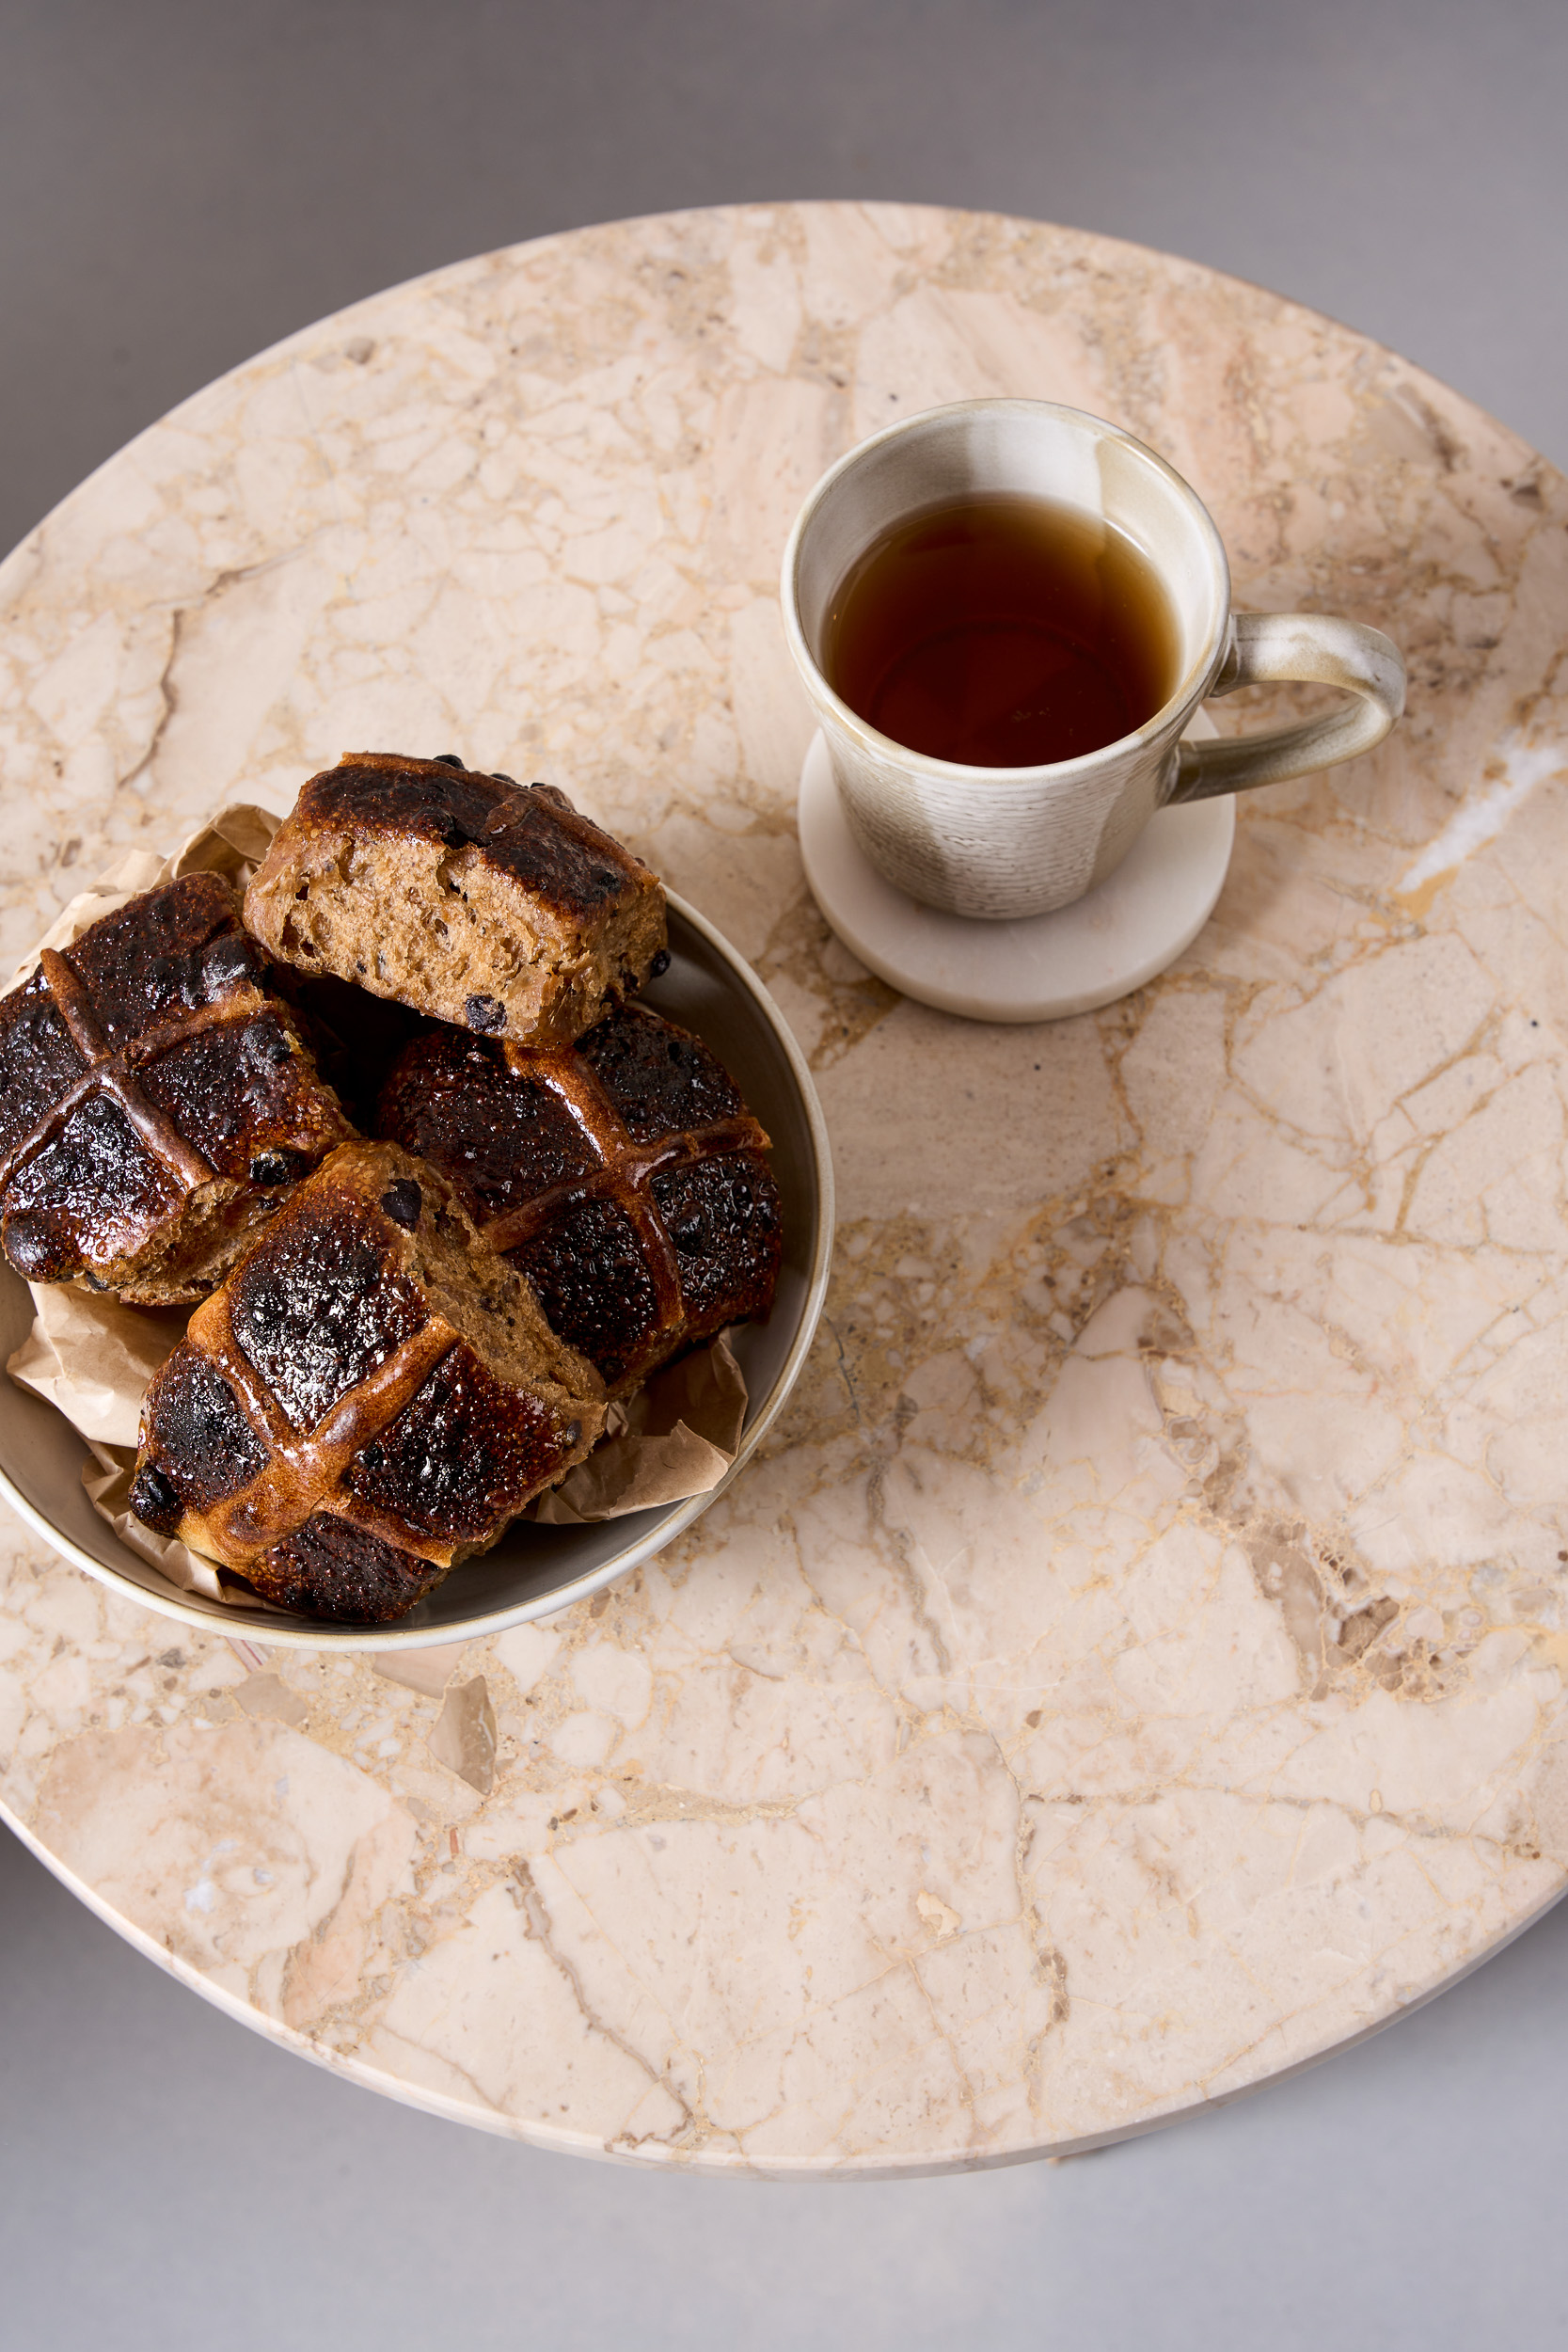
x: 1103, y: 946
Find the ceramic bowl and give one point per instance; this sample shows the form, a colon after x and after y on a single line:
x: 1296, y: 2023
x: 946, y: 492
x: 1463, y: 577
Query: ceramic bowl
x: 534, y: 1570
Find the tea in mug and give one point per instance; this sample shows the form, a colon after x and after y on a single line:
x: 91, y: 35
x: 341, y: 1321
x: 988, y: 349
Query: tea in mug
x: 1002, y: 630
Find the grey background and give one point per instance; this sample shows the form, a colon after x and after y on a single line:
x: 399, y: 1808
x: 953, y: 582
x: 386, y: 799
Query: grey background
x: 179, y: 184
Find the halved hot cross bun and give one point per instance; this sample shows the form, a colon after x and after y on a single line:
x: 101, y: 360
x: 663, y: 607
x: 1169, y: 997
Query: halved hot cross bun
x: 500, y: 909
x: 624, y: 1177
x: 156, y: 1100
x: 369, y: 1398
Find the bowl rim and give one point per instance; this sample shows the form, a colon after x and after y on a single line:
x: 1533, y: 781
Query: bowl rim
x: 270, y: 1632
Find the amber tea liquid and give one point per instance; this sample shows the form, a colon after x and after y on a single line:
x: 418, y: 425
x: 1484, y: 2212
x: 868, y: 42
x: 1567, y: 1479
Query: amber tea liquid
x: 1001, y: 630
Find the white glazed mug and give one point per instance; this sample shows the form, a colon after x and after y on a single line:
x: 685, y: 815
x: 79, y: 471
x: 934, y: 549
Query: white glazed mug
x: 1000, y: 843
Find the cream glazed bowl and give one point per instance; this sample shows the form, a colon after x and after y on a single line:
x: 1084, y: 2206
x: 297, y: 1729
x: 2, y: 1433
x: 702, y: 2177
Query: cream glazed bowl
x: 534, y: 1569
x: 1004, y: 843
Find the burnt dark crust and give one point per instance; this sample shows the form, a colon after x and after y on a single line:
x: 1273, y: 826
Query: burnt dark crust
x: 334, y: 1569
x: 660, y: 1078
x: 167, y: 952
x: 722, y: 1216
x: 316, y: 1307
x: 500, y: 1136
x: 204, y: 1445
x: 242, y: 1096
x: 39, y: 1062
x: 455, y: 1457
x: 534, y: 837
x: 96, y: 1177
x: 589, y: 1269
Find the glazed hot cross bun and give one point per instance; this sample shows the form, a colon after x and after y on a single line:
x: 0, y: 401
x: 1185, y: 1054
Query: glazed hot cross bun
x: 369, y: 1399
x: 625, y: 1177
x: 157, y: 1100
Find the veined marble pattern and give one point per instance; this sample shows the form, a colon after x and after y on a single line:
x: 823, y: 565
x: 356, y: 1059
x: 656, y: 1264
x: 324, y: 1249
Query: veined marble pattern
x: 1135, y: 1665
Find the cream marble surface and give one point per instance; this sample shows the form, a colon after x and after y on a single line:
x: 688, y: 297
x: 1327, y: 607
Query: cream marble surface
x: 1136, y: 1666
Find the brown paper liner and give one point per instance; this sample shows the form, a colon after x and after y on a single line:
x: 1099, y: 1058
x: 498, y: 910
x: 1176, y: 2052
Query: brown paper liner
x: 91, y: 1357
x: 675, y: 1438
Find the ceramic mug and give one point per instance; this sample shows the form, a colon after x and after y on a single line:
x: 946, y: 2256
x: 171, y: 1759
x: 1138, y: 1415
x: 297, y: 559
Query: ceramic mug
x: 999, y: 843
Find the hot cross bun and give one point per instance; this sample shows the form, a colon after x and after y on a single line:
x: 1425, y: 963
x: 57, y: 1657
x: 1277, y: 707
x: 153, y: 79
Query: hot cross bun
x: 367, y: 1400
x: 156, y: 1100
x: 499, y: 910
x: 625, y: 1177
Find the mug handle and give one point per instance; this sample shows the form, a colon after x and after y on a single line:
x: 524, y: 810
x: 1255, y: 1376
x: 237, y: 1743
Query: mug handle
x: 1264, y: 648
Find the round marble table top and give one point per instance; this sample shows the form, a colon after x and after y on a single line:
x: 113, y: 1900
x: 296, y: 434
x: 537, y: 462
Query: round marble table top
x: 1135, y: 1665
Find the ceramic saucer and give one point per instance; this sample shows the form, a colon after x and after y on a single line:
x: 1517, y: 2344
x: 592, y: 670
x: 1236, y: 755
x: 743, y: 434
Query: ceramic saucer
x: 1104, y: 946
